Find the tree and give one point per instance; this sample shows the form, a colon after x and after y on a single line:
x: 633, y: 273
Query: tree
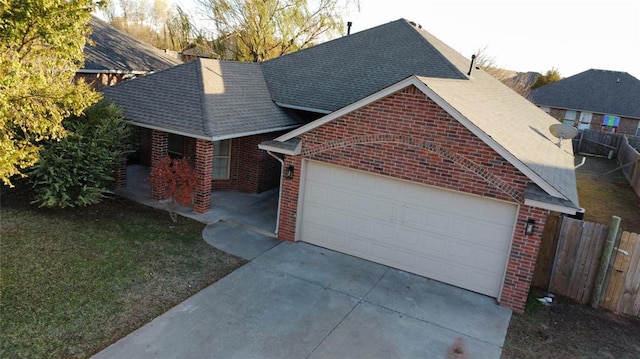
x: 155, y: 22
x: 264, y: 29
x: 550, y: 76
x: 77, y: 170
x: 518, y: 82
x: 41, y: 42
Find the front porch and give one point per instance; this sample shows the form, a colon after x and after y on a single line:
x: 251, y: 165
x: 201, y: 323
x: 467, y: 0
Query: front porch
x: 258, y: 211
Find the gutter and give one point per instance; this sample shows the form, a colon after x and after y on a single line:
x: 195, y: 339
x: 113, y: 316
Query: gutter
x: 280, y: 191
x: 210, y: 138
x: 132, y: 72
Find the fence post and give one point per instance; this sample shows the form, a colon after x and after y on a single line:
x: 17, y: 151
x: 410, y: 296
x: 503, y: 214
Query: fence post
x: 604, y: 261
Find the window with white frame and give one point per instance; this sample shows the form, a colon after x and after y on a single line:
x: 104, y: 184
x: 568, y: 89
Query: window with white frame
x: 570, y: 117
x: 638, y: 129
x: 221, y: 159
x: 585, y: 121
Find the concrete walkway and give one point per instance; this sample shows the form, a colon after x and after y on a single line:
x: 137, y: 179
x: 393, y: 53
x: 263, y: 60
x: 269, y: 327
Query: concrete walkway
x: 296, y: 300
x: 302, y: 301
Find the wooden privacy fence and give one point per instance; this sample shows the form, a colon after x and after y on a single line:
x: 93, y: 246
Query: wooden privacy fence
x: 597, y: 143
x: 569, y: 260
x: 622, y: 294
x: 629, y: 160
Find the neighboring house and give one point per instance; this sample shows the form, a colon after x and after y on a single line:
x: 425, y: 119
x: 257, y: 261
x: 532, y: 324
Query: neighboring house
x: 390, y: 151
x: 112, y: 56
x: 594, y: 99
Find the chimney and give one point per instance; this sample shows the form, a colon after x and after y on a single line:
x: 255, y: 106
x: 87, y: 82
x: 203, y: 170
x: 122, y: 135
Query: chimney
x: 349, y: 23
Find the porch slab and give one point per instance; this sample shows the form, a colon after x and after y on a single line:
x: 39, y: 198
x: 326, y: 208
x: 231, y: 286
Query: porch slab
x: 254, y: 211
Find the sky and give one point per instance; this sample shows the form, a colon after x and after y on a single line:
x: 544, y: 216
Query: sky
x: 571, y: 36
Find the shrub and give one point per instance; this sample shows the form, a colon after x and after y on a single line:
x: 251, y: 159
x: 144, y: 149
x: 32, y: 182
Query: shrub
x: 178, y: 179
x: 78, y: 169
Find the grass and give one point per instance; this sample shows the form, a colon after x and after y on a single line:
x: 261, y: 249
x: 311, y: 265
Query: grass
x: 74, y: 281
x: 603, y: 194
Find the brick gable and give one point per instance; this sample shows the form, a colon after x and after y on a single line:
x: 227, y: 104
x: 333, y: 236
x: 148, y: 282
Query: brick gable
x: 408, y: 136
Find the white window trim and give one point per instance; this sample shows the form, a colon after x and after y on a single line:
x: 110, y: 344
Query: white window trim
x: 572, y: 117
x: 228, y: 157
x: 585, y: 120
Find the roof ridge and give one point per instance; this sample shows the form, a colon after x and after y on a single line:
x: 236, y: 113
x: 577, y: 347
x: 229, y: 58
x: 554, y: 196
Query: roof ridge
x: 323, y: 44
x: 416, y: 31
x: 206, y: 126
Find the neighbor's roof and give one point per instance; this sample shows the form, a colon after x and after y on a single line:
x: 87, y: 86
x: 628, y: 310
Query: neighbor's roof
x: 331, y: 75
x: 599, y: 91
x: 115, y: 51
x: 506, y: 121
x: 208, y: 99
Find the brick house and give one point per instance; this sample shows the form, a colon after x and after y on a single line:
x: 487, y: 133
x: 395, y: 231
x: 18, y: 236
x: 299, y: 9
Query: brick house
x: 386, y: 148
x: 594, y: 99
x: 113, y: 56
x: 213, y: 113
x: 438, y: 174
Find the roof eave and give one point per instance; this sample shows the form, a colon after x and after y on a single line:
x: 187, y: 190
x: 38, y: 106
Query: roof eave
x: 211, y: 138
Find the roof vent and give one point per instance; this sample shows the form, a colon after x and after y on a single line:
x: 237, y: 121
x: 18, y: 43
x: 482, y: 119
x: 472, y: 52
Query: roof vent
x: 473, y: 58
x: 349, y: 23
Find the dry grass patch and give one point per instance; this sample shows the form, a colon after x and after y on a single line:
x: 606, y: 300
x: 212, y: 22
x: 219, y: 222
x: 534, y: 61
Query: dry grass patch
x: 604, y: 192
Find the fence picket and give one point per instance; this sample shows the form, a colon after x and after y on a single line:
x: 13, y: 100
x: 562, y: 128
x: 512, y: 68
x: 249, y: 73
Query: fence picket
x: 577, y: 258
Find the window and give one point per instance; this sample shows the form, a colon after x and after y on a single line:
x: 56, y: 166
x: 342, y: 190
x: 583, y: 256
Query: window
x: 221, y: 159
x: 175, y: 146
x: 569, y: 118
x: 585, y: 121
x: 638, y: 129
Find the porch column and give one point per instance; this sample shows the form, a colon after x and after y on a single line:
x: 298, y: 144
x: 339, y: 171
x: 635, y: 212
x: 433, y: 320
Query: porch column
x: 120, y: 174
x: 159, y: 150
x: 203, y: 168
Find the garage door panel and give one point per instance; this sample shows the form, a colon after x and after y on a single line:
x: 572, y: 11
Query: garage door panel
x: 449, y: 236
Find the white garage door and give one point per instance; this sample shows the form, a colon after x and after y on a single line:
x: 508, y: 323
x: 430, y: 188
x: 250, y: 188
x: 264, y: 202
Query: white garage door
x: 452, y: 237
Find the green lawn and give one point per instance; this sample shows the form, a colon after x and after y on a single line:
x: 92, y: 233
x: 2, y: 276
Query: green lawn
x: 74, y: 281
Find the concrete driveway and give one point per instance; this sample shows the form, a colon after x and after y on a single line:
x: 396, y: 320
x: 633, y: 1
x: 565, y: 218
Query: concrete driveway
x: 301, y: 301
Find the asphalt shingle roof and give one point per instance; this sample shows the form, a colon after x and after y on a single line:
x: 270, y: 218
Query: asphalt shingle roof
x: 515, y: 124
x: 599, y: 91
x: 114, y: 50
x: 331, y: 75
x: 511, y: 121
x: 204, y: 98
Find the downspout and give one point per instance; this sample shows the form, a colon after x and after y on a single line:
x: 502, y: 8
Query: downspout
x: 280, y: 191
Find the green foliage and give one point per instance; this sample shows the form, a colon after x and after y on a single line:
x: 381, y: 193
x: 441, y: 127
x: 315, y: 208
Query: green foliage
x: 41, y: 42
x: 549, y: 77
x: 259, y: 30
x: 77, y: 170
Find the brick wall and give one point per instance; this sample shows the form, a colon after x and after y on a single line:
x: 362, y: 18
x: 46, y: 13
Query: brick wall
x: 628, y: 126
x: 99, y: 81
x: 159, y: 150
x: 203, y: 163
x: 252, y: 170
x: 408, y: 136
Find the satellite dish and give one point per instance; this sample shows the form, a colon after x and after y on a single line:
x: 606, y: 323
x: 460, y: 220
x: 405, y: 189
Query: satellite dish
x: 563, y: 132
